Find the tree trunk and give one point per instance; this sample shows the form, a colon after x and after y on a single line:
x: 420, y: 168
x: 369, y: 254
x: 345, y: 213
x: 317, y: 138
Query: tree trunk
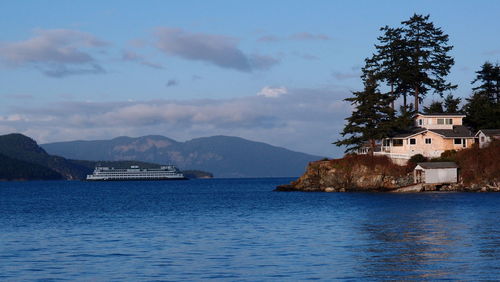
x: 404, y: 100
x: 416, y: 99
x: 392, y: 96
x: 372, y: 146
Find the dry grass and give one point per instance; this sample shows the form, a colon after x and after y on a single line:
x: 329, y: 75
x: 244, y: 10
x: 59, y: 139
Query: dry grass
x: 480, y: 165
x: 381, y: 164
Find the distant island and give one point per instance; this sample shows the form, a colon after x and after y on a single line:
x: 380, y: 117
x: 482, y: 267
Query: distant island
x: 22, y: 159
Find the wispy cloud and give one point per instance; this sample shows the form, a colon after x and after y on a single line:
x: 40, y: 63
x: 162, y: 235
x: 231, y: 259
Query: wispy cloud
x: 222, y: 51
x: 55, y: 52
x: 132, y: 56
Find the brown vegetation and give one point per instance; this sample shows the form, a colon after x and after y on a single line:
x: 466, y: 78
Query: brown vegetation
x: 480, y: 166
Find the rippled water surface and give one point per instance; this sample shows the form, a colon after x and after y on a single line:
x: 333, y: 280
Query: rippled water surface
x: 240, y: 230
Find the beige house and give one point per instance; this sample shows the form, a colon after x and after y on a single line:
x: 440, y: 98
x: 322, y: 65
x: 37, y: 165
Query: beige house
x: 433, y: 134
x: 485, y: 136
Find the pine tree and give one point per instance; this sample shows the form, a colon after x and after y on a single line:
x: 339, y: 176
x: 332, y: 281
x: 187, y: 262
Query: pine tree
x: 483, y: 107
x: 451, y: 104
x: 371, y: 120
x: 434, y: 108
x: 427, y: 47
x: 390, y: 61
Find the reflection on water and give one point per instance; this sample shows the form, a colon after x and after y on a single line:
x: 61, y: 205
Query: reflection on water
x: 240, y: 230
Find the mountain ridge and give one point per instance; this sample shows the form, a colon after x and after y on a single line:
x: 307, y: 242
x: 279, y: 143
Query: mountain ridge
x: 224, y: 156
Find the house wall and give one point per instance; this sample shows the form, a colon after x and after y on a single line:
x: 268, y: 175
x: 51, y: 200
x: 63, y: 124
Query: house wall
x: 483, y: 140
x: 438, y: 145
x: 441, y: 175
x: 432, y: 123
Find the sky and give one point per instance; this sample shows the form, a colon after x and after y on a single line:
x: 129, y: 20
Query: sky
x: 269, y: 71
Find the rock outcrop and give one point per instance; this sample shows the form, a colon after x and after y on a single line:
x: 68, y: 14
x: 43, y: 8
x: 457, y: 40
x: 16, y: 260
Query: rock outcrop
x: 372, y: 174
x: 351, y: 173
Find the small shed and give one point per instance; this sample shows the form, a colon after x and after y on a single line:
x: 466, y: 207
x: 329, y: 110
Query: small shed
x: 436, y: 173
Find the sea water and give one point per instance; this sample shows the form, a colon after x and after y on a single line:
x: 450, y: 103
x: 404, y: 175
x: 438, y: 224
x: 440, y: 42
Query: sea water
x: 239, y: 229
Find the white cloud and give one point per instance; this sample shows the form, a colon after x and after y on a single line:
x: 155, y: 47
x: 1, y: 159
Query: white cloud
x: 305, y: 120
x: 272, y: 92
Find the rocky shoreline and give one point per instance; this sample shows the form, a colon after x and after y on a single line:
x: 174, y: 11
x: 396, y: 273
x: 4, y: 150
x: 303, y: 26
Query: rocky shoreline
x: 364, y: 174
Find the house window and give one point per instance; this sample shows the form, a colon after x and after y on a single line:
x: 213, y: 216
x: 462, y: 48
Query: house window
x: 428, y: 141
x: 397, y: 142
x: 440, y: 120
x: 482, y: 139
x: 457, y: 141
x: 420, y: 122
x: 387, y: 142
x: 413, y: 141
x: 449, y: 121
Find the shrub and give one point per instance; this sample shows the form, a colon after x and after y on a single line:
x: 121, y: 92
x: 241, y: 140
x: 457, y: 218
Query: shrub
x: 418, y: 158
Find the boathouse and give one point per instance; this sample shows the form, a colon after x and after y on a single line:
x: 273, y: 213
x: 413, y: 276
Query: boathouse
x: 436, y: 173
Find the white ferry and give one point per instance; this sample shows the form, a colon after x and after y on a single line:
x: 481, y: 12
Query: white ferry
x: 167, y: 172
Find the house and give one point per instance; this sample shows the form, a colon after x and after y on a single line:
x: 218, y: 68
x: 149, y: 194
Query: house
x: 436, y: 173
x: 485, y: 136
x: 433, y: 134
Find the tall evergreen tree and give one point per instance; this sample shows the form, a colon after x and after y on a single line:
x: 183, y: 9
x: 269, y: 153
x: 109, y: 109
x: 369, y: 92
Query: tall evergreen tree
x: 427, y: 47
x: 489, y: 78
x: 451, y: 104
x: 434, y: 108
x: 371, y: 120
x: 483, y: 107
x: 390, y: 61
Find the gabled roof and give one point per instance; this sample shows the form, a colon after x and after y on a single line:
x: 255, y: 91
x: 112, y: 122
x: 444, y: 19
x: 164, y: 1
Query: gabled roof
x: 458, y: 131
x: 490, y: 132
x: 442, y: 115
x: 437, y: 165
x: 415, y: 131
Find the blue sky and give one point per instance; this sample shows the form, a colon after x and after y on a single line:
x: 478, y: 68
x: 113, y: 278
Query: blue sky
x: 271, y: 71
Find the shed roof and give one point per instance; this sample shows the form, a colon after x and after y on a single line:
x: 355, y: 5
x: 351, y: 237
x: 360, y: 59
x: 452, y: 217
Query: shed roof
x: 437, y: 165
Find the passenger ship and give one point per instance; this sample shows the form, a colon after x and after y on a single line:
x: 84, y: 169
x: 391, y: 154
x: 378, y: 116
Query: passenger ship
x: 167, y: 172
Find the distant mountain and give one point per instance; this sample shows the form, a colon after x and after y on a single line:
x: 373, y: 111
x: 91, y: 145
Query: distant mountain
x: 22, y: 159
x: 22, y: 148
x: 224, y: 156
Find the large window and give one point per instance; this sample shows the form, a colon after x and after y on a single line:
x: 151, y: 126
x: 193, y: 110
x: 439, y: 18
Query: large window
x: 457, y: 141
x: 413, y: 141
x: 397, y: 142
x: 445, y: 121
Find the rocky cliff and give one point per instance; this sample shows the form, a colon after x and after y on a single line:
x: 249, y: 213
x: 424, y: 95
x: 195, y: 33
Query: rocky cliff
x: 479, y: 172
x: 351, y: 173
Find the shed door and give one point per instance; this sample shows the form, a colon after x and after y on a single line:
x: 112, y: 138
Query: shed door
x: 419, y: 176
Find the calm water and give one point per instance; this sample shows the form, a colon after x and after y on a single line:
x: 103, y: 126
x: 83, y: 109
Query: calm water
x: 241, y: 230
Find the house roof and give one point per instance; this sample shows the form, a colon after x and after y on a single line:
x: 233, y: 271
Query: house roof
x: 458, y: 131
x: 437, y: 165
x: 442, y: 114
x: 415, y: 131
x: 489, y: 132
